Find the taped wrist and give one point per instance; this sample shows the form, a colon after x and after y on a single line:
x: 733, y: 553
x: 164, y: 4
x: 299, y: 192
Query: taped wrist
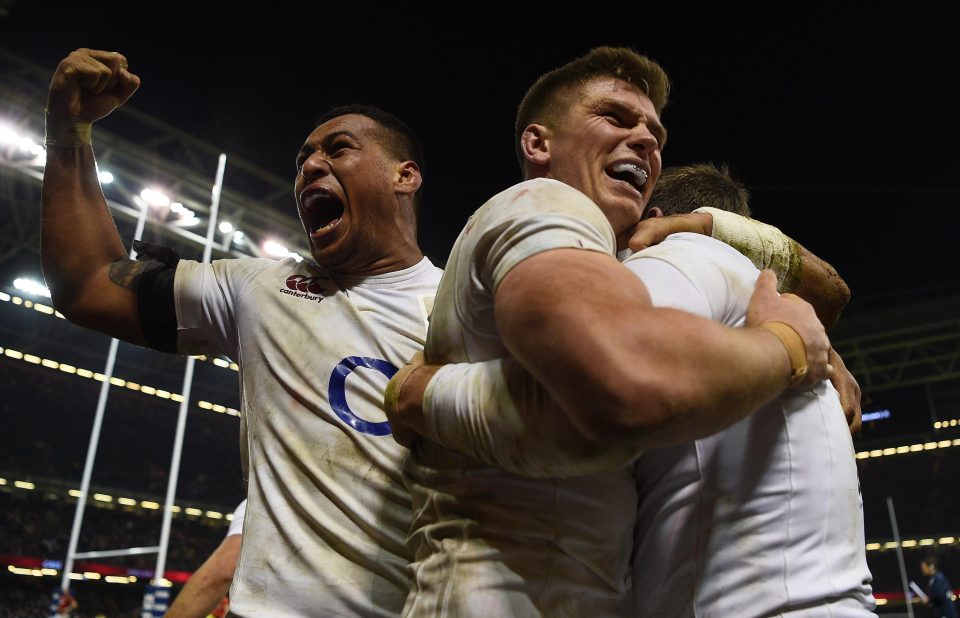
x: 495, y: 412
x: 464, y: 409
x: 796, y: 349
x: 67, y: 133
x: 391, y: 398
x: 765, y: 245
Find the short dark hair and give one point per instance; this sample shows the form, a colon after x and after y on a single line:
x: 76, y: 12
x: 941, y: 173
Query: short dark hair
x: 399, y: 139
x: 930, y: 560
x: 683, y: 189
x: 549, y: 96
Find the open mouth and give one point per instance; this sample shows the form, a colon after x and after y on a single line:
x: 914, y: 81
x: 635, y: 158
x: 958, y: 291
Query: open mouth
x: 322, y: 211
x: 630, y: 173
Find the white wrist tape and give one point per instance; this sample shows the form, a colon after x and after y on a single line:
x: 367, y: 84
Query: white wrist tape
x: 496, y: 413
x: 765, y: 245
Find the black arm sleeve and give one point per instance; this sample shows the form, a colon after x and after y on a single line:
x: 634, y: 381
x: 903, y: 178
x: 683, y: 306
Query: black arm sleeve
x: 155, y: 302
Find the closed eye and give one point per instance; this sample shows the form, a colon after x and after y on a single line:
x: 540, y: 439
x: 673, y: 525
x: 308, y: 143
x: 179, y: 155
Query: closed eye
x: 338, y: 146
x: 614, y: 117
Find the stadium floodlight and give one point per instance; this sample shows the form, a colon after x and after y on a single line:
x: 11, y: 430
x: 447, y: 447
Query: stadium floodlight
x: 154, y: 198
x: 225, y: 227
x: 30, y: 286
x: 29, y: 146
x: 238, y: 237
x: 187, y: 218
x: 296, y: 257
x: 272, y: 247
x: 8, y: 135
x: 105, y: 177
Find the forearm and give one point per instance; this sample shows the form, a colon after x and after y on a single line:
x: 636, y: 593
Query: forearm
x: 209, y: 584
x: 666, y: 378
x: 822, y: 286
x: 78, y: 239
x: 198, y: 598
x: 798, y: 270
x: 708, y: 376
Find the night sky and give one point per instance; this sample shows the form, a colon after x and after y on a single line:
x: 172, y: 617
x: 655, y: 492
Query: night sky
x: 842, y: 121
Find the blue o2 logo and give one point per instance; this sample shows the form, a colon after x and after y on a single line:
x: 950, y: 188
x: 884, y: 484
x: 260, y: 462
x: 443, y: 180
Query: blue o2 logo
x: 337, y: 392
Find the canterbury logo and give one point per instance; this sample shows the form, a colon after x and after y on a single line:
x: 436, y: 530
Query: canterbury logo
x: 305, y: 287
x: 305, y: 284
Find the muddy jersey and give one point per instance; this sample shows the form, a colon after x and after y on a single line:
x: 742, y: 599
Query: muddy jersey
x: 487, y: 542
x: 327, y: 512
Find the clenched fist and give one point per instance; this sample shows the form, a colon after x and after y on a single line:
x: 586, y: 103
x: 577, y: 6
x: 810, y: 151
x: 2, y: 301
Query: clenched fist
x: 88, y: 85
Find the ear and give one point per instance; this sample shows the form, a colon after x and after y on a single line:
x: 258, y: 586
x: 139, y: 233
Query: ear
x: 535, y: 144
x: 407, y: 179
x: 652, y: 213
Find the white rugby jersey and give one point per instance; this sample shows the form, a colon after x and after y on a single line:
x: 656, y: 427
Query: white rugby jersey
x: 490, y: 543
x: 764, y: 518
x: 327, y: 512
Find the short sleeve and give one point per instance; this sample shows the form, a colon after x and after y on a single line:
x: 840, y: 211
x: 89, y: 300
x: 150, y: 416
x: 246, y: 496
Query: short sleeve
x: 534, y: 217
x: 207, y: 299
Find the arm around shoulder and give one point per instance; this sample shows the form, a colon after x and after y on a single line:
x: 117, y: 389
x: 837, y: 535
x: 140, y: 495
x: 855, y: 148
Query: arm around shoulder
x: 627, y: 373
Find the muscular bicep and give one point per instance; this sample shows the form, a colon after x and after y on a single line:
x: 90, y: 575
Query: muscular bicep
x: 130, y: 300
x: 560, y: 314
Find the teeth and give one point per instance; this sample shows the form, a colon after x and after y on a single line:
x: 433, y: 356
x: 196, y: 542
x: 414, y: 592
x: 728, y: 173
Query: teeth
x: 327, y: 226
x: 638, y: 172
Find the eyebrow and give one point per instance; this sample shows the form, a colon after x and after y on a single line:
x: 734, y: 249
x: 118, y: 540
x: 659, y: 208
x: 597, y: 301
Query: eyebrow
x: 656, y: 129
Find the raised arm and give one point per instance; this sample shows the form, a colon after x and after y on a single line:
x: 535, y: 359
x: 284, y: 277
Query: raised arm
x: 91, y: 279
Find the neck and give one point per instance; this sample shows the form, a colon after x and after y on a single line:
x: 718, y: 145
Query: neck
x: 403, y: 254
x: 391, y: 263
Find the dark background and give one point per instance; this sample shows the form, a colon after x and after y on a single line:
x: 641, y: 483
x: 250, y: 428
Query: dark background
x: 842, y: 120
